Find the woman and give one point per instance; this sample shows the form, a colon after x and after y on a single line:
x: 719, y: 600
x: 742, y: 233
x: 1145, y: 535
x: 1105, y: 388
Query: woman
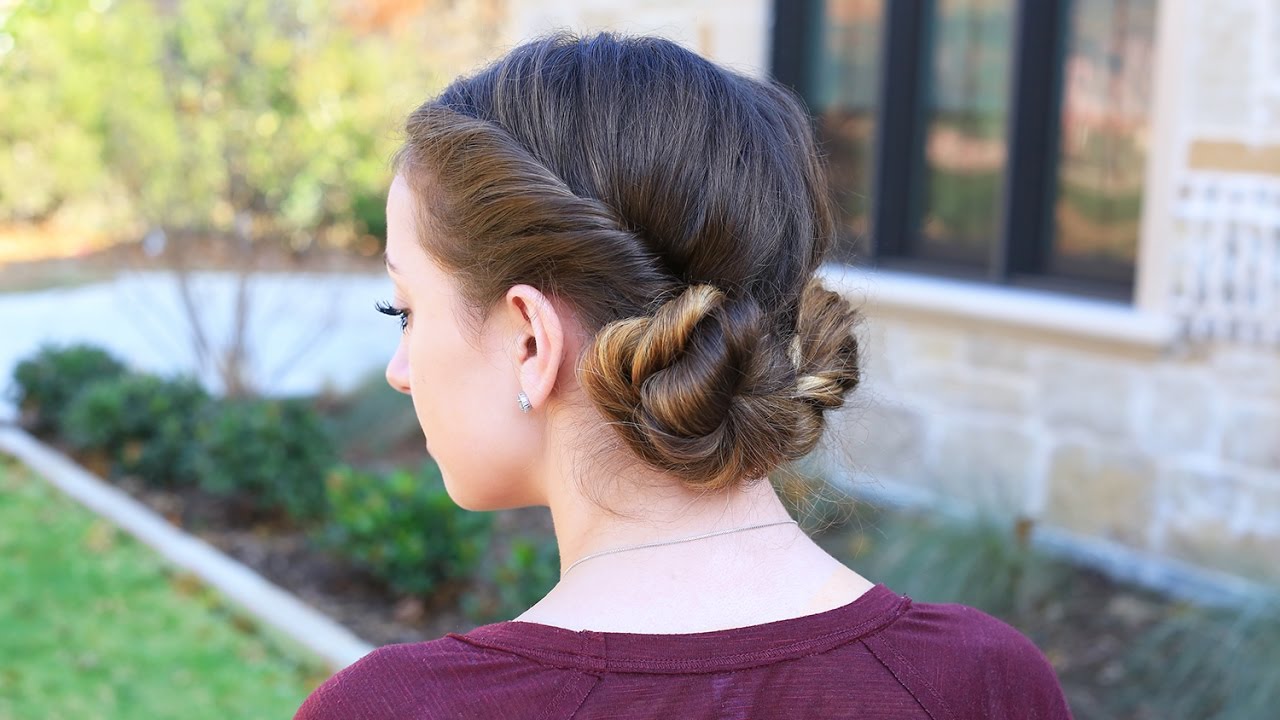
x: 603, y: 252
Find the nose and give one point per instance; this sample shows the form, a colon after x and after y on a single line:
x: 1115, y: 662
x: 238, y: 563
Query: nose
x: 398, y: 369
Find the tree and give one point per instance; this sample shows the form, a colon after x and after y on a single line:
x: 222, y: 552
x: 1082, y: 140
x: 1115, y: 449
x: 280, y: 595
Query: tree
x: 54, y: 61
x: 253, y: 123
x: 271, y: 122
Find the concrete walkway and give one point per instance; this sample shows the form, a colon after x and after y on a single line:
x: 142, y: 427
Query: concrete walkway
x: 306, y: 331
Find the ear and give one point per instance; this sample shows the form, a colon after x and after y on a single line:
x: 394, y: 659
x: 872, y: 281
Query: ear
x: 537, y: 348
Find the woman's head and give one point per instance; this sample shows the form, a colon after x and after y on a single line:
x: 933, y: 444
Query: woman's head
x: 620, y: 220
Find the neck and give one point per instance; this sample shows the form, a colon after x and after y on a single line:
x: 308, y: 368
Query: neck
x: 650, y: 507
x: 728, y: 580
x: 738, y: 578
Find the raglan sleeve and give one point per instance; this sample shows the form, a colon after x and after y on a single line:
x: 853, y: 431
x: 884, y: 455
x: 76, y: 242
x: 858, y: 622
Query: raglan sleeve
x: 1014, y: 678
x: 374, y: 687
x: 961, y: 663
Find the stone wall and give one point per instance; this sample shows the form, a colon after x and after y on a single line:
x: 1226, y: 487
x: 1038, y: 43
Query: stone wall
x: 1174, y: 454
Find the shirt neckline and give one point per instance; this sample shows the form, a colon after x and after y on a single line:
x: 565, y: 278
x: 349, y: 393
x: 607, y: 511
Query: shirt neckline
x: 707, y: 651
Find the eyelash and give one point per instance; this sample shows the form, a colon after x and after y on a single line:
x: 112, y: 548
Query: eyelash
x: 387, y: 308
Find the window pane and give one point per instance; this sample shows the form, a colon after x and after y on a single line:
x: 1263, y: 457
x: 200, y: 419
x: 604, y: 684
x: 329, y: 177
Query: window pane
x: 1106, y: 95
x: 965, y: 142
x: 846, y: 92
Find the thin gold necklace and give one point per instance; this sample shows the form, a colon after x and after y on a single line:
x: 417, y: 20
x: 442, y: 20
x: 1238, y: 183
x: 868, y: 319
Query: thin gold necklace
x: 673, y: 542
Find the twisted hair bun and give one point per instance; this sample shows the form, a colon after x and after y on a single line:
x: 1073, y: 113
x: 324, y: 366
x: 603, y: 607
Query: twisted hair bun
x: 701, y: 390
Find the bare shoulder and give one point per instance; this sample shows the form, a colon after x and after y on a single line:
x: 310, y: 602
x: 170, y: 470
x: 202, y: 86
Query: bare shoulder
x: 974, y: 665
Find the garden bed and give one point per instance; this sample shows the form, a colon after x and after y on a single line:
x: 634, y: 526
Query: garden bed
x: 287, y: 556
x: 309, y: 492
x: 40, y: 261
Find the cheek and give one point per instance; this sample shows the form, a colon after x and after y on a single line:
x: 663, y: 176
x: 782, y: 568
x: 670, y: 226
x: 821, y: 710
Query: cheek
x: 458, y: 384
x: 460, y: 398
x: 452, y: 393
x: 438, y: 371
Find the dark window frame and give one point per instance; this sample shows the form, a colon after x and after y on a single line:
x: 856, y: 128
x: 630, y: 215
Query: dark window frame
x: 1022, y: 252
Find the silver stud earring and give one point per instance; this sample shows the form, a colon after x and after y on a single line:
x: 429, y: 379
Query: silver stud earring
x: 525, y: 405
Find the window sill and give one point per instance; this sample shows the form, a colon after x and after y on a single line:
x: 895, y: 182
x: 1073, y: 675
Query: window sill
x: 1036, y: 310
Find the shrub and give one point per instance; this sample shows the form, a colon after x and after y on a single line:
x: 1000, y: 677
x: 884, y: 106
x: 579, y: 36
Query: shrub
x: 404, y: 528
x: 45, y: 384
x: 273, y: 453
x: 527, y: 573
x: 142, y: 423
x: 371, y: 422
x: 369, y: 210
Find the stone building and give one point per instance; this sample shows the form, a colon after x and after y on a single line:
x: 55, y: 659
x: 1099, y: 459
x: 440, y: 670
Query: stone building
x: 1063, y: 218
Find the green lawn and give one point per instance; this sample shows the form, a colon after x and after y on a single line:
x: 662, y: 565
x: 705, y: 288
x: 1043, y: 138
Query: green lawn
x: 93, y: 625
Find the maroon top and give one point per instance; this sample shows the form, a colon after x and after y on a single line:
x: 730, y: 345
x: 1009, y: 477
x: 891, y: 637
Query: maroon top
x: 880, y: 656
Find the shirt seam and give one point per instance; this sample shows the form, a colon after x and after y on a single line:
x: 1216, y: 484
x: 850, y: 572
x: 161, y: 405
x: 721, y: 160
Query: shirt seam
x: 557, y: 659
x: 563, y: 695
x: 907, y: 667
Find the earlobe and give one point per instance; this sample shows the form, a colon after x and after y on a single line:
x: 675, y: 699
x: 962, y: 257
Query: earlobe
x: 539, y: 349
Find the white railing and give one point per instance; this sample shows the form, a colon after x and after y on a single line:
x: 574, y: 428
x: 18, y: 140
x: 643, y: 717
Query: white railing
x: 1226, y: 280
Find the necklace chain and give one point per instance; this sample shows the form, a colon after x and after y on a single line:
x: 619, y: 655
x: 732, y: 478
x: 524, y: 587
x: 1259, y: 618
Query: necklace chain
x: 673, y: 542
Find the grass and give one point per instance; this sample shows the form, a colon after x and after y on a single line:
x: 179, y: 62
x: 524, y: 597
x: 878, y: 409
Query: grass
x: 987, y: 565
x: 93, y: 625
x: 1219, y: 664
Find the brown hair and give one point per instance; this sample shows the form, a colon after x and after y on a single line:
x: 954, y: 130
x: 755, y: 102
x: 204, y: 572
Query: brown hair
x: 680, y: 209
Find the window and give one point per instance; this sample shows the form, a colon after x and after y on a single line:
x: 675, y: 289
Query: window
x: 846, y: 89
x: 995, y: 139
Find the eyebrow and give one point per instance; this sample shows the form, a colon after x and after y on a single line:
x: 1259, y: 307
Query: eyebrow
x: 387, y: 259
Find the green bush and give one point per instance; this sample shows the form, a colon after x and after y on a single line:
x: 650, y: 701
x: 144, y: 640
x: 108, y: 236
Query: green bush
x: 371, y: 422
x: 370, y: 211
x: 142, y: 423
x: 273, y: 453
x: 45, y: 384
x: 404, y: 528
x: 527, y: 573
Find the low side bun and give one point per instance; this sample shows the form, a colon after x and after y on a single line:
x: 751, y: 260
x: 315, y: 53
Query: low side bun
x: 701, y: 390
x: 677, y: 384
